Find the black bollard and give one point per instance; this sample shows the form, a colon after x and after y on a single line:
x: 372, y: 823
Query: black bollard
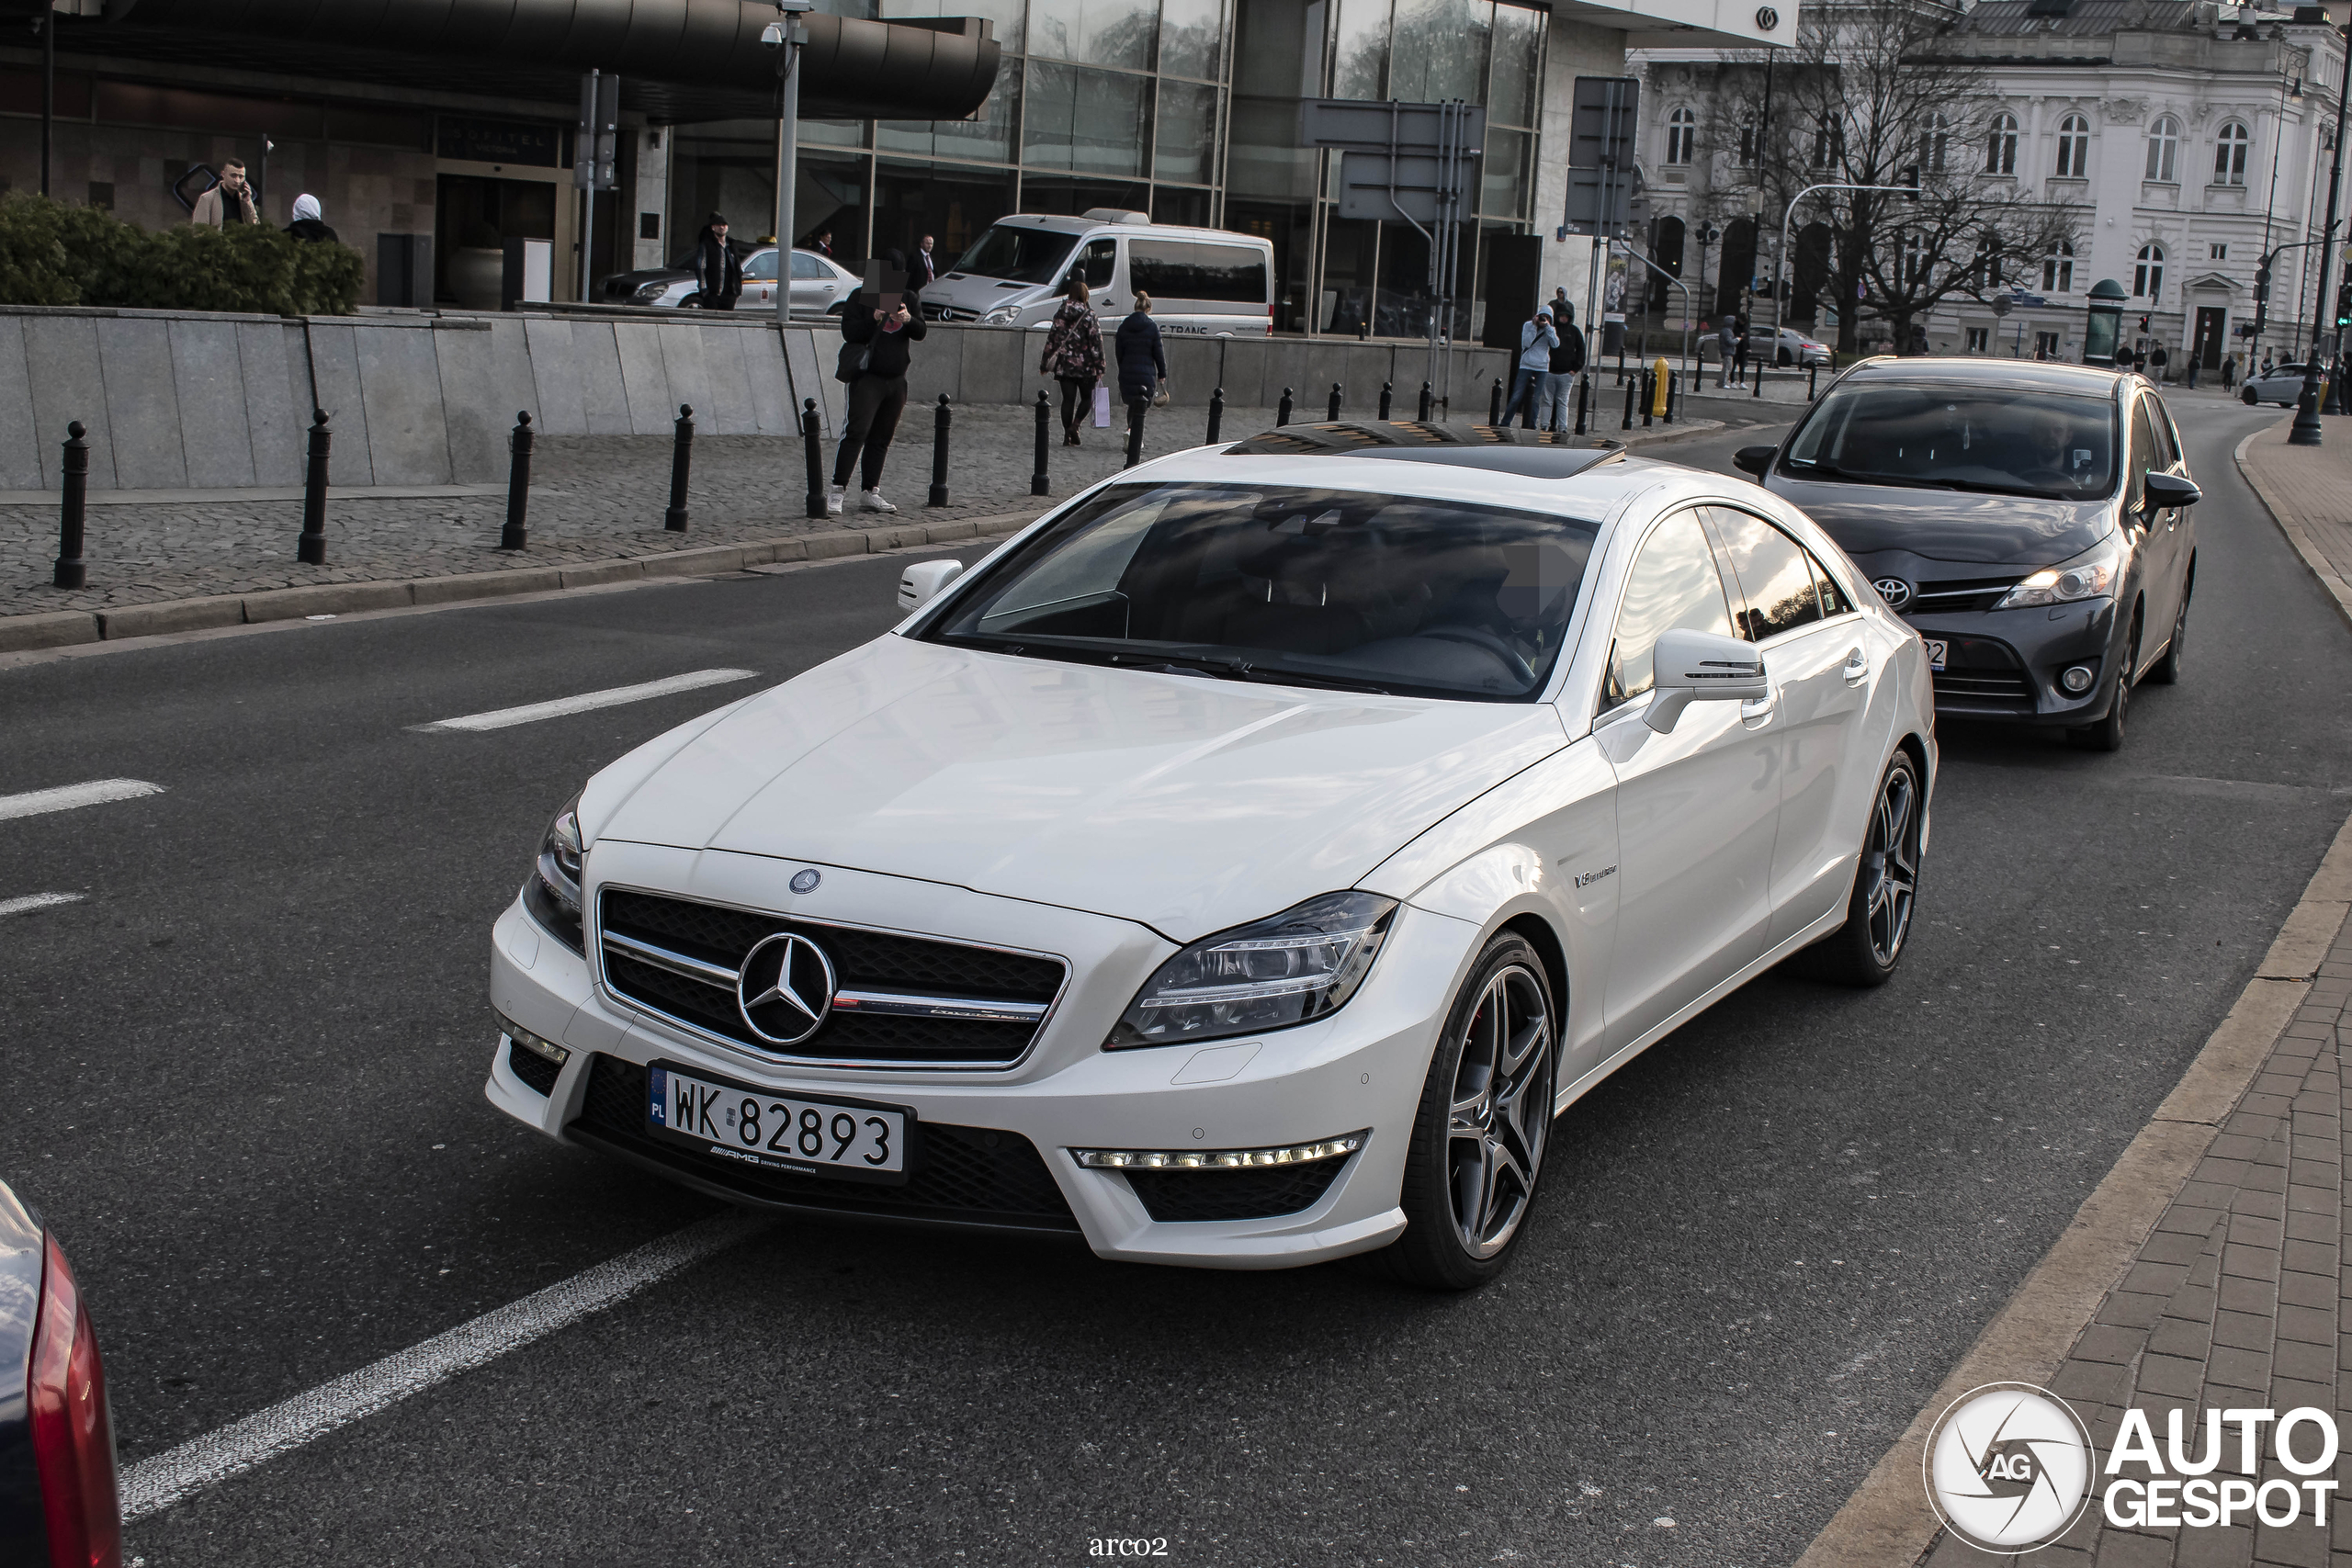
x: 1385, y: 390
x: 682, y: 458
x: 1649, y: 396
x: 1673, y: 381
x: 1217, y: 412
x: 1136, y: 406
x: 75, y: 472
x: 811, y: 438
x: 516, y: 535
x: 1424, y: 414
x: 1628, y: 423
x: 1495, y: 403
x: 311, y: 549
x: 1039, y: 483
x: 1282, y: 414
x: 1584, y: 401
x: 1812, y: 381
x: 1334, y: 411
x: 939, y: 455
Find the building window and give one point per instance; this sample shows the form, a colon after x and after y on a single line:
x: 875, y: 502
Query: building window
x: 2058, y: 269
x: 2229, y: 155
x: 2045, y: 345
x: 1682, y: 136
x: 1746, y: 146
x: 2001, y: 145
x: 2074, y: 148
x: 2220, y: 252
x: 1934, y: 147
x: 1980, y: 340
x: 2163, y: 149
x: 1829, y: 143
x: 1916, y: 259
x: 1988, y: 261
x: 2148, y: 273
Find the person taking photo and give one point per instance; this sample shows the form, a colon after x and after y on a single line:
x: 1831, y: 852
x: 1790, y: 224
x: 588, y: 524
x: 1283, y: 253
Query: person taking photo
x: 887, y: 323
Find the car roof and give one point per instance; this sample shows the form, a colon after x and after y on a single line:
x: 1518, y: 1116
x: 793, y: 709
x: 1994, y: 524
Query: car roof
x: 1057, y: 224
x: 1497, y: 450
x: 2019, y: 375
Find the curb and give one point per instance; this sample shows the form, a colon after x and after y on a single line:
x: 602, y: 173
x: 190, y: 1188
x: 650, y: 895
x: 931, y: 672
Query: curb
x: 65, y: 628
x: 2296, y: 535
x: 1887, y: 1523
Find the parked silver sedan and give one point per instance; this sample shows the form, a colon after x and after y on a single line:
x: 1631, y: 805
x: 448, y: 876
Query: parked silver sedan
x: 2282, y: 384
x: 820, y: 283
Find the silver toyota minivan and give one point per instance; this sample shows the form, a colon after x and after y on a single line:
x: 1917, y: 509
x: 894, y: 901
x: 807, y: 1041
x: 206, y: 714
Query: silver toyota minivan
x: 1203, y: 282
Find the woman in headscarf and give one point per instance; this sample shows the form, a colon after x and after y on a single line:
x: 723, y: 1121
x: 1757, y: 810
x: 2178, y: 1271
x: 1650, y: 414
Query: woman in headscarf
x: 310, y: 222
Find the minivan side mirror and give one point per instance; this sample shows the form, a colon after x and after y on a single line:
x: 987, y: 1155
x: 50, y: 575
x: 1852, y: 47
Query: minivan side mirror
x: 2165, y: 490
x: 1694, y: 666
x: 1754, y: 459
x: 921, y: 583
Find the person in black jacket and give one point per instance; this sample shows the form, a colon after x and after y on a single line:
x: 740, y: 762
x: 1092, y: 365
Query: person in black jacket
x: 1143, y: 363
x: 878, y: 394
x: 718, y: 272
x: 1566, y: 360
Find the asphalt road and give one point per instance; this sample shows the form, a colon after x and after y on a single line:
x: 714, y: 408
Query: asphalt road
x: 244, y: 1084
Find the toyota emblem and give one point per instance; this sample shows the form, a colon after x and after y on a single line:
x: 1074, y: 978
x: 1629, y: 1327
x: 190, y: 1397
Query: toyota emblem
x: 1895, y: 591
x: 786, y: 988
x: 1767, y: 18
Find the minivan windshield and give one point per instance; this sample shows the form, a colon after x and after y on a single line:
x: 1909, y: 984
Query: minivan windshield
x: 1290, y: 586
x: 2003, y: 440
x: 1018, y: 254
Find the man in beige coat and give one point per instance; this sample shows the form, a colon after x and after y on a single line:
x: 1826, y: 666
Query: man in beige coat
x: 231, y: 201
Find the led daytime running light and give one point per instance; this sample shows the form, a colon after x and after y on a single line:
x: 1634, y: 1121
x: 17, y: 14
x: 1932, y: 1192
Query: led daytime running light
x: 537, y: 1045
x: 1219, y: 1159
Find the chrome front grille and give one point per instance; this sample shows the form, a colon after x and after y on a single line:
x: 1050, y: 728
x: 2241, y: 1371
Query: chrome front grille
x: 899, y: 1000
x: 1957, y: 594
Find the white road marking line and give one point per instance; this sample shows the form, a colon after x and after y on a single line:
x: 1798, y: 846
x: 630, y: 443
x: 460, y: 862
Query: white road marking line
x: 31, y: 901
x: 154, y: 1484
x: 612, y: 697
x: 97, y: 792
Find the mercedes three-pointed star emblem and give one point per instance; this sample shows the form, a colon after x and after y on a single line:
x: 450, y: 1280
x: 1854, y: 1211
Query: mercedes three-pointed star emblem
x: 786, y: 988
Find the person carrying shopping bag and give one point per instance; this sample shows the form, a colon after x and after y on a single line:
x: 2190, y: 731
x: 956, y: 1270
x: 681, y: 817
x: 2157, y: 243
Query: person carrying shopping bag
x: 885, y: 317
x: 1143, y: 363
x: 1074, y: 356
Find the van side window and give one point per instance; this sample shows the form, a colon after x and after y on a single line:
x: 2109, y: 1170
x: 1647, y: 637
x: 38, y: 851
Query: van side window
x: 1101, y: 257
x: 1192, y: 269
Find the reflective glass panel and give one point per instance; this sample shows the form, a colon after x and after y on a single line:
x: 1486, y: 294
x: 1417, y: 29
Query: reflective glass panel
x: 1095, y: 32
x: 1005, y: 13
x: 987, y: 139
x: 1361, y: 60
x: 1191, y: 38
x: 1518, y: 65
x: 1187, y: 133
x: 1438, y: 50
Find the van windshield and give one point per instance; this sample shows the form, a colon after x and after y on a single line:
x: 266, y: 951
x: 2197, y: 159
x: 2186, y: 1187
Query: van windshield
x: 1021, y: 254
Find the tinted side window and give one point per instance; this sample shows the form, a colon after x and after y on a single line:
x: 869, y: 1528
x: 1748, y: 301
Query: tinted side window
x: 761, y: 268
x: 1674, y: 584
x: 2144, y: 456
x: 1102, y: 256
x: 2160, y: 423
x: 1833, y: 598
x: 808, y: 267
x: 1770, y: 570
x: 1186, y: 269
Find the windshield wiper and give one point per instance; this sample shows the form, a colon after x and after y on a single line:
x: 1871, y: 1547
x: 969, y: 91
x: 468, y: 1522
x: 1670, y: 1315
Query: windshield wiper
x: 1819, y: 470
x: 1979, y: 487
x: 1230, y: 669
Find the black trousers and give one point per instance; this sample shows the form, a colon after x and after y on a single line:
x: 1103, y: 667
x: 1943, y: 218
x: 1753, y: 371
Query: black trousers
x: 874, y: 404
x: 1078, y: 400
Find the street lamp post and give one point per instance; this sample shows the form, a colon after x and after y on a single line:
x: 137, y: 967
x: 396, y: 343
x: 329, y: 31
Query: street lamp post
x: 1780, y: 262
x: 2306, y: 431
x: 786, y: 37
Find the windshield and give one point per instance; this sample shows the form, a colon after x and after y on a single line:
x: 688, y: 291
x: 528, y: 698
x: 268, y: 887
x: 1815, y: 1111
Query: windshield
x: 1289, y: 586
x: 1972, y: 438
x: 1022, y: 255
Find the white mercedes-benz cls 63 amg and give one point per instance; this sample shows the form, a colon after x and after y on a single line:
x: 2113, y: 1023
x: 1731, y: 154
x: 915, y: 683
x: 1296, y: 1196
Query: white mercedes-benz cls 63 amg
x: 1242, y: 866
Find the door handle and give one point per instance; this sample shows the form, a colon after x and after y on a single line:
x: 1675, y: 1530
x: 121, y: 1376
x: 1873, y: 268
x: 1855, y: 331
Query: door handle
x: 1857, y: 669
x: 1757, y: 709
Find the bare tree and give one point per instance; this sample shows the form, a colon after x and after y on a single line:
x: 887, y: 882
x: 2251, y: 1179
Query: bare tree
x: 1873, y: 93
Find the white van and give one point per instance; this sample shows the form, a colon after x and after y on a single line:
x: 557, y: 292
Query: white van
x: 1203, y: 282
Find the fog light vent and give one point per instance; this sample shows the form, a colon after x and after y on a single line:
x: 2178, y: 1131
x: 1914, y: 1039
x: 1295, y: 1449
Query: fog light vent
x: 2076, y: 678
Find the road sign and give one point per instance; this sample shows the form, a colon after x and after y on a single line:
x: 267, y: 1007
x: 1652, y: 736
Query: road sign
x: 1373, y: 125
x: 1374, y: 185
x: 1600, y: 123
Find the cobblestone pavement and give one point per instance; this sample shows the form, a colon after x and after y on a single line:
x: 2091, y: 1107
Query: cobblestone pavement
x: 592, y: 498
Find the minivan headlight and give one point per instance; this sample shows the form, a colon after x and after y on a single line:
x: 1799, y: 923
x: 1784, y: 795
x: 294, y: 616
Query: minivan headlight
x: 1004, y: 317
x: 1292, y: 968
x: 2090, y: 575
x: 551, y: 893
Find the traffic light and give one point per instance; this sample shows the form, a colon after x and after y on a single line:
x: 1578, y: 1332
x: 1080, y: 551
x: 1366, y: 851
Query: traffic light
x: 2261, y: 282
x: 2344, y: 305
x: 1910, y: 177
x: 2143, y: 323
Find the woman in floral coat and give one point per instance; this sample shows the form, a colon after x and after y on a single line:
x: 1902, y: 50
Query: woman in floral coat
x: 1074, y: 356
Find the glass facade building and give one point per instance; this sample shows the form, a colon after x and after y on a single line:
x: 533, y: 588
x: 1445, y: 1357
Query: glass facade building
x: 1186, y: 109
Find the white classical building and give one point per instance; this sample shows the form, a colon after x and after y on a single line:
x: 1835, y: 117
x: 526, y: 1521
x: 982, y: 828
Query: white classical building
x: 2185, y: 139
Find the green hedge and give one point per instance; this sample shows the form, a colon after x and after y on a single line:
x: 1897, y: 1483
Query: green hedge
x: 52, y: 254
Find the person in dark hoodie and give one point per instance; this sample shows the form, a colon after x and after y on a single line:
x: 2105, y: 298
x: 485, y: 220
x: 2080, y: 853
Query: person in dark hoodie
x: 719, y: 270
x: 878, y: 394
x: 309, y: 222
x: 1143, y: 363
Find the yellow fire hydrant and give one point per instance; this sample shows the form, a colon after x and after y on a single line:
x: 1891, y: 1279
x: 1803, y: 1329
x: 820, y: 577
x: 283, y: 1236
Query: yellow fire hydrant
x: 1659, y: 371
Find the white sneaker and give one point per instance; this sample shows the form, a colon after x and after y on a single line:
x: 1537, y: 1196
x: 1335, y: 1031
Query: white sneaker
x: 834, y: 496
x: 871, y: 499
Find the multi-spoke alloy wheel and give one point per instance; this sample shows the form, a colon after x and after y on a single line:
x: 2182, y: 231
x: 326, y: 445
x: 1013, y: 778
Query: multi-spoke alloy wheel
x: 1865, y: 949
x: 1484, y: 1123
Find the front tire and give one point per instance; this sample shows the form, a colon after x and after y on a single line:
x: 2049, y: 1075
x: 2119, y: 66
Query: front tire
x: 2167, y: 669
x: 1867, y: 949
x: 1484, y: 1126
x: 2107, y: 735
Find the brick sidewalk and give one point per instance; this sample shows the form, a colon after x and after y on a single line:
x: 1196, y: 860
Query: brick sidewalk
x: 2309, y: 490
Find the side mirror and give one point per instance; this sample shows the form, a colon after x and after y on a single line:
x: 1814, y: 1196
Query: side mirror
x: 1693, y: 666
x: 921, y: 583
x: 2165, y: 490
x: 1753, y: 459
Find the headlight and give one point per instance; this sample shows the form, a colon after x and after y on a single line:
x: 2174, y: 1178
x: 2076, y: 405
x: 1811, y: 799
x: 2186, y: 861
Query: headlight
x: 552, y: 892
x: 1003, y: 317
x: 2090, y: 575
x: 651, y: 291
x: 1297, y: 967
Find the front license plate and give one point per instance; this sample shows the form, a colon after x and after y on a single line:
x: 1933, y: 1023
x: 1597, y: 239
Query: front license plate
x: 1936, y: 650
x: 845, y: 1138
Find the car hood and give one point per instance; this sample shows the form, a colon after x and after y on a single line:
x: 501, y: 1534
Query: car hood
x: 970, y: 291
x: 1950, y: 525
x: 1187, y: 804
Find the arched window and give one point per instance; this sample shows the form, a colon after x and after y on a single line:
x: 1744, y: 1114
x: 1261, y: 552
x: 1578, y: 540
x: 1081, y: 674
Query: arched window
x: 2163, y: 149
x: 1916, y: 259
x: 2229, y: 155
x: 2058, y: 269
x: 2148, y: 273
x: 1934, y: 147
x: 1829, y: 143
x: 1988, y: 261
x: 1682, y: 136
x: 2001, y: 145
x: 2074, y: 148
